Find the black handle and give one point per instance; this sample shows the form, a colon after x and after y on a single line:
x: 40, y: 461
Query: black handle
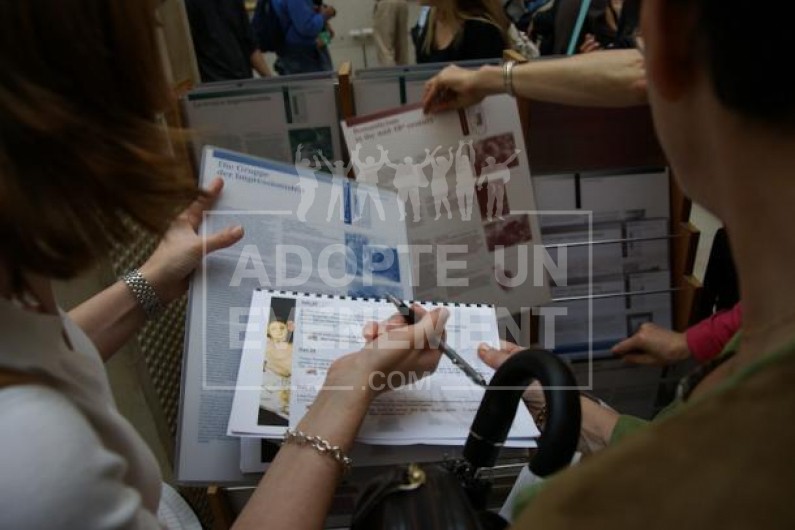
x: 558, y: 441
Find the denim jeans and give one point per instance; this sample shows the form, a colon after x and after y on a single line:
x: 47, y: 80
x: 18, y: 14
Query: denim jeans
x: 303, y: 60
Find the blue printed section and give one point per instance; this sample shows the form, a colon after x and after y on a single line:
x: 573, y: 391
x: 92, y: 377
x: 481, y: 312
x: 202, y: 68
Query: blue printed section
x: 230, y: 156
x: 358, y: 290
x: 383, y: 262
x: 347, y: 202
x: 373, y: 261
x: 354, y: 260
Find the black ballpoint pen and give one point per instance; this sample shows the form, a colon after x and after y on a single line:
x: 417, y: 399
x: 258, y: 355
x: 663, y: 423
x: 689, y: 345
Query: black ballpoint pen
x: 411, y: 317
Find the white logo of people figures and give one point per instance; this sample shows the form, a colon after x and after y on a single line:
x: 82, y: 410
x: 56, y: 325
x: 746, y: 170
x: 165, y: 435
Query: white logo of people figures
x: 337, y: 200
x: 367, y: 173
x: 496, y: 176
x: 307, y: 183
x: 439, y: 188
x: 465, y: 180
x: 409, y: 178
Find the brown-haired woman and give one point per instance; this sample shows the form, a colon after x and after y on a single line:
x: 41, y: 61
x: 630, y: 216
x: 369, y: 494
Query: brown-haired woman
x: 461, y: 30
x: 81, y: 157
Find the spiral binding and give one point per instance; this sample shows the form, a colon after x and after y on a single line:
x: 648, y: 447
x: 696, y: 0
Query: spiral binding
x: 275, y: 292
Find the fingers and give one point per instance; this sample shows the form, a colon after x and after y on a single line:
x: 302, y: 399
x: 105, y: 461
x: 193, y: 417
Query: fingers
x: 223, y: 239
x: 493, y: 357
x: 195, y: 211
x: 626, y: 346
x: 642, y: 359
x: 510, y: 347
x: 431, y: 327
x: 428, y: 95
x: 590, y: 44
x: 439, y: 95
x: 372, y: 330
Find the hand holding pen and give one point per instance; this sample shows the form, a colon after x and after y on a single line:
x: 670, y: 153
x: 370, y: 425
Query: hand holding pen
x: 411, y: 318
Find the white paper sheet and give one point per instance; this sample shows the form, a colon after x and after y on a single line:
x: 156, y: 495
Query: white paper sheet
x: 436, y: 410
x: 473, y: 198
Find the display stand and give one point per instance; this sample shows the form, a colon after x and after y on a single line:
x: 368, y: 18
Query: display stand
x: 560, y: 139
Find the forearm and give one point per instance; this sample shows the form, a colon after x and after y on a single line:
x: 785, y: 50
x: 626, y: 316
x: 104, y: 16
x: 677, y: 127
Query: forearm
x: 259, y: 64
x: 614, y: 78
x: 598, y: 423
x: 297, y: 491
x: 110, y: 318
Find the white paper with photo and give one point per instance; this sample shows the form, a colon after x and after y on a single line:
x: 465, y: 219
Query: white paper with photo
x: 464, y: 190
x: 436, y: 410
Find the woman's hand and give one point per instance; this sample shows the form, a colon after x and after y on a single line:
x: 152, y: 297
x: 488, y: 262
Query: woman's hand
x: 653, y: 345
x: 598, y: 421
x: 590, y: 44
x: 395, y: 354
x: 456, y: 88
x: 182, y: 248
x: 534, y: 395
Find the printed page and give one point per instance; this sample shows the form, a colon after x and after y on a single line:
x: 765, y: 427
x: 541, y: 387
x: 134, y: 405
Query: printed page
x: 438, y: 409
x: 267, y: 117
x: 300, y: 234
x: 463, y: 185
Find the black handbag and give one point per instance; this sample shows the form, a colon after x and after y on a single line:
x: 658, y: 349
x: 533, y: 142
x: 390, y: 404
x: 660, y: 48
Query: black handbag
x: 452, y: 495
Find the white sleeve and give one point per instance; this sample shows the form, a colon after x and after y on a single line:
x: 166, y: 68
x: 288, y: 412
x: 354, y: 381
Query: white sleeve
x: 55, y: 471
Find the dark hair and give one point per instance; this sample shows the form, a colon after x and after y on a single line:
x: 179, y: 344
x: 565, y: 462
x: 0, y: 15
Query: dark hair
x: 747, y: 52
x: 81, y: 152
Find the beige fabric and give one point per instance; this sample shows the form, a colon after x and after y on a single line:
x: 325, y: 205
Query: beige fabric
x: 390, y: 32
x: 722, y: 462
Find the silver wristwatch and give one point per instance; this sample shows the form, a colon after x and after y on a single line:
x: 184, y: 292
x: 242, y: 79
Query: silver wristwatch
x: 143, y: 292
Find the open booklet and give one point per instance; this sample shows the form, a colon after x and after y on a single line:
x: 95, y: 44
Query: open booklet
x: 304, y: 231
x: 292, y: 339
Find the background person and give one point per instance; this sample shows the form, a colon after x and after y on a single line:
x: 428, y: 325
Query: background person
x: 223, y: 40
x: 732, y: 424
x: 390, y: 32
x: 305, y: 48
x: 462, y: 30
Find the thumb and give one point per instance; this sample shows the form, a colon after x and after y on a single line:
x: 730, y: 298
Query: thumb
x: 491, y: 356
x: 643, y: 359
x: 224, y: 238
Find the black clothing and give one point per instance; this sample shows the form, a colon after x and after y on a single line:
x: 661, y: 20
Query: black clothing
x: 222, y: 38
x: 477, y: 39
x: 554, y: 27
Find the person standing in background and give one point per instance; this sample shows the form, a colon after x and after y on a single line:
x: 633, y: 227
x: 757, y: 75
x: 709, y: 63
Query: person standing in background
x: 461, y: 30
x: 305, y: 26
x: 223, y: 41
x: 390, y: 31
x: 324, y: 39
